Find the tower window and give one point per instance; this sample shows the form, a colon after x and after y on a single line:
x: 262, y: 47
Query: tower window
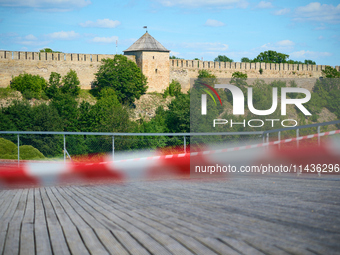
x: 153, y: 57
x: 156, y: 70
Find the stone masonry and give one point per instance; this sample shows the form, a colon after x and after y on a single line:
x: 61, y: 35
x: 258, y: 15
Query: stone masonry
x: 152, y: 58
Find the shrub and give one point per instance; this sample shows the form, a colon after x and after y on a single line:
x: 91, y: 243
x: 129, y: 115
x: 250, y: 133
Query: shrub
x: 9, y: 150
x: 31, y: 86
x: 8, y: 156
x: 7, y: 147
x: 29, y: 152
x: 174, y: 89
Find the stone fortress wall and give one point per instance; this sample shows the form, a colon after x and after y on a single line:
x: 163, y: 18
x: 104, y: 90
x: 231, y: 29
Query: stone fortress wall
x: 13, y: 63
x: 184, y: 70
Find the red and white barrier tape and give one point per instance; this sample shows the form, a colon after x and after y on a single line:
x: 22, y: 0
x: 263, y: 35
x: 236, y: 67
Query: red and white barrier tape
x: 172, y: 165
x: 232, y: 149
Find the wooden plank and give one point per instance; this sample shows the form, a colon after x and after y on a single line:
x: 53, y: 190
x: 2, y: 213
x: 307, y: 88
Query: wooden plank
x: 95, y: 219
x: 88, y: 236
x: 72, y: 236
x: 150, y: 242
x: 130, y: 243
x: 10, y: 194
x: 241, y: 216
x: 42, y: 237
x: 135, y: 242
x: 27, y: 245
x: 3, y: 196
x: 130, y: 217
x: 240, y: 246
x: 218, y: 246
x: 217, y: 218
x: 110, y: 242
x: 14, y: 226
x: 192, y: 244
x: 7, y: 213
x: 58, y: 242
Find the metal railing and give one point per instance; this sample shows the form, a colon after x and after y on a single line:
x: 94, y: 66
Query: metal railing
x: 56, y: 144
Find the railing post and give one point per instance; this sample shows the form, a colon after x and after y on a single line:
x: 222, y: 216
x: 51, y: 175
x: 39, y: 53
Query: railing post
x: 113, y: 148
x: 297, y: 136
x: 279, y: 139
x: 18, y: 150
x: 185, y: 145
x: 267, y: 140
x: 318, y: 135
x: 263, y: 137
x: 64, y: 149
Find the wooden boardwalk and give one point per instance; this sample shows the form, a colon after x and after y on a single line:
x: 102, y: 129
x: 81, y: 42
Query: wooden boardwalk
x: 243, y: 215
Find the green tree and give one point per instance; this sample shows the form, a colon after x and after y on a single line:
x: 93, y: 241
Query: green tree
x: 205, y: 74
x: 239, y: 79
x: 174, y: 57
x: 123, y: 76
x: 46, y: 50
x: 239, y: 75
x: 31, y: 86
x: 174, y: 89
x: 109, y: 114
x: 330, y: 72
x: 271, y: 57
x: 71, y: 84
x: 178, y: 116
x: 223, y: 58
x: 18, y: 115
x: 205, y: 77
x: 54, y: 84
x: 49, y: 50
x: 245, y: 60
x: 309, y: 62
x: 68, y: 110
x: 293, y: 62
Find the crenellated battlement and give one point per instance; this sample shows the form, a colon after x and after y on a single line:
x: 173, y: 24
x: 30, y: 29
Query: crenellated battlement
x: 14, y: 63
x: 46, y: 56
x: 184, y: 70
x: 156, y: 68
x: 241, y: 66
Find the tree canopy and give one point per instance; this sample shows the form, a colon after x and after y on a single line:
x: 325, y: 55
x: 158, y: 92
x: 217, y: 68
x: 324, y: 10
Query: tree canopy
x: 223, y: 58
x: 174, y: 57
x: 330, y: 72
x: 49, y: 50
x: 271, y: 56
x: 31, y: 86
x: 123, y: 76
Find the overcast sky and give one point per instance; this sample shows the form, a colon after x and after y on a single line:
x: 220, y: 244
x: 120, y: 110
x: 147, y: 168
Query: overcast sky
x: 189, y: 28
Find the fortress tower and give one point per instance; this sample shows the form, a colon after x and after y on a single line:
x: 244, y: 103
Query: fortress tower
x: 153, y: 59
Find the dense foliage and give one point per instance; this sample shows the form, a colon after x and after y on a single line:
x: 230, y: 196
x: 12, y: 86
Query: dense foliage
x: 271, y: 56
x: 31, y: 86
x: 223, y: 58
x: 49, y: 50
x: 326, y: 93
x: 174, y: 89
x: 9, y: 150
x: 123, y: 76
x: 111, y: 111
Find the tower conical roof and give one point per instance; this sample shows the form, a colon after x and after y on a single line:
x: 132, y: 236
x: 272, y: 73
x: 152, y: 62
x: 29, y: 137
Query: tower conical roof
x: 146, y: 43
